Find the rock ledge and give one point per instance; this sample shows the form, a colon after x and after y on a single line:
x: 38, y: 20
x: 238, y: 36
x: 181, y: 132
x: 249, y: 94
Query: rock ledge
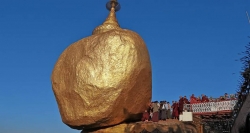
x: 174, y: 126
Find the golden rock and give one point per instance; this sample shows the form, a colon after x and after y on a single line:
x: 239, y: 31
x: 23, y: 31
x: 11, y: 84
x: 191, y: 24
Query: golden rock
x: 104, y: 79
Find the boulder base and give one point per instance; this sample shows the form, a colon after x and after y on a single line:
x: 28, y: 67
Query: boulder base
x: 169, y: 126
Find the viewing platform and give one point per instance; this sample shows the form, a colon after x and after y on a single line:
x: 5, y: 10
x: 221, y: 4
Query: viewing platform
x: 216, y: 114
x: 212, y: 111
x: 210, y: 107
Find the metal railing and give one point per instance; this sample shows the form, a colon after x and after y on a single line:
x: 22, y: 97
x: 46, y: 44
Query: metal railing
x: 210, y: 107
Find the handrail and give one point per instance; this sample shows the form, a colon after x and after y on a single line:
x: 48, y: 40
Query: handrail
x: 210, y: 107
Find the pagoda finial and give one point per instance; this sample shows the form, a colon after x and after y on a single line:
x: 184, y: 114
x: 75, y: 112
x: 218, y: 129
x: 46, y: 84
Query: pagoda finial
x: 111, y: 22
x: 113, y: 3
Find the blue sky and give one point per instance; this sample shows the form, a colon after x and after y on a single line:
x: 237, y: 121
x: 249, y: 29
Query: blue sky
x: 193, y: 46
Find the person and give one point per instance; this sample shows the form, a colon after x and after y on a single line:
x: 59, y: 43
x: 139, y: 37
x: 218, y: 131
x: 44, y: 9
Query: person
x: 222, y: 98
x: 211, y: 99
x: 226, y: 96
x: 160, y: 110
x: 176, y: 110
x: 172, y: 107
x: 145, y: 116
x: 168, y: 111
x: 150, y: 111
x: 164, y: 110
x: 207, y: 100
x: 186, y: 100
x: 193, y: 99
x: 203, y: 98
x: 198, y: 100
x: 150, y: 115
x: 155, y: 117
x: 181, y: 104
x: 232, y: 97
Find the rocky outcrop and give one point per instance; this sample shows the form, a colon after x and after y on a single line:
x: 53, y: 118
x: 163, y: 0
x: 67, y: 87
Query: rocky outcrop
x: 242, y: 115
x: 168, y: 126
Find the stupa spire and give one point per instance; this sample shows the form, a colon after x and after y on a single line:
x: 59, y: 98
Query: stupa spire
x: 111, y: 22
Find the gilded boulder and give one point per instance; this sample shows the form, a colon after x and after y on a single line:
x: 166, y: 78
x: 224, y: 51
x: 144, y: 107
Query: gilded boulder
x: 103, y: 80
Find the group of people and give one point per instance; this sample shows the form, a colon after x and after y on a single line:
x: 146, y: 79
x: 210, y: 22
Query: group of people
x: 157, y: 111
x: 163, y: 110
x: 204, y: 98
